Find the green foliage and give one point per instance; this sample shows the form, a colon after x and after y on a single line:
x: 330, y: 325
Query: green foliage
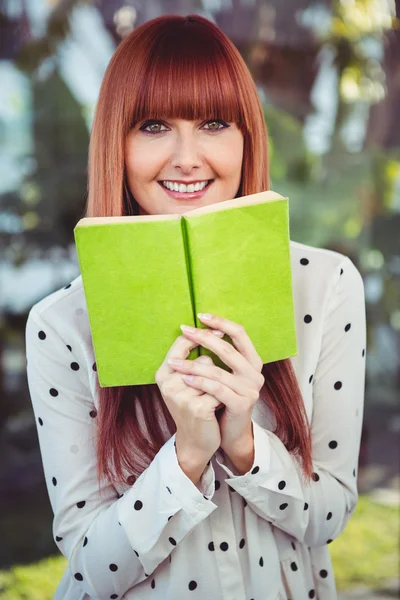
x: 366, y: 553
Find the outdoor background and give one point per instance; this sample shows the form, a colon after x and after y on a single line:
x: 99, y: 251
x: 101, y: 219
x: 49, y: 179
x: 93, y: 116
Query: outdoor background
x: 328, y: 75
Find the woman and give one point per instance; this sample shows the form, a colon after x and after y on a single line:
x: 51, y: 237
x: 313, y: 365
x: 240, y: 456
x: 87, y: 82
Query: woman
x: 232, y: 485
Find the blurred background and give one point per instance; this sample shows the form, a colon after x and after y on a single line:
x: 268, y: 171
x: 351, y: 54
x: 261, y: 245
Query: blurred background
x: 328, y: 75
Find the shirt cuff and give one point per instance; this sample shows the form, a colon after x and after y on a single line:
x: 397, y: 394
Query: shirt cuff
x: 195, y: 499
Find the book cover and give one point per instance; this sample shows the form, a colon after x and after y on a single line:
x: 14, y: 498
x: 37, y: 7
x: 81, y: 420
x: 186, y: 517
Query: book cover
x: 145, y: 275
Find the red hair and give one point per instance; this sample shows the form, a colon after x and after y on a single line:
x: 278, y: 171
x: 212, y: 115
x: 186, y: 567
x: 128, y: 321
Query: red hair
x: 180, y: 67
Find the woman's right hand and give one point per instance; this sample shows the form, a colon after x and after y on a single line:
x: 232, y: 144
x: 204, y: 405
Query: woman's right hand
x: 197, y: 428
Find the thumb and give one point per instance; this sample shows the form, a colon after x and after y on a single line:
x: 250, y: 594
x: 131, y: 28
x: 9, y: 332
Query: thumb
x: 205, y: 359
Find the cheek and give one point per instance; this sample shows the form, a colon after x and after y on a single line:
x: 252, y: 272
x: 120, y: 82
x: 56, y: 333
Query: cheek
x: 142, y: 163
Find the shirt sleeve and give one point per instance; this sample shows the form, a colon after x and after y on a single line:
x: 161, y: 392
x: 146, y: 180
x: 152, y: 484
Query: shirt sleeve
x: 315, y: 513
x: 112, y: 542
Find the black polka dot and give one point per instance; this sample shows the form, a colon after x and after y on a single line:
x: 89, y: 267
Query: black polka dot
x: 42, y: 335
x: 363, y: 353
x: 85, y: 541
x: 145, y: 574
x: 261, y: 562
x: 53, y: 392
x: 304, y: 261
x: 283, y: 506
x: 137, y: 553
x: 282, y: 485
x: 315, y: 477
x: 354, y: 472
x: 170, y: 517
x: 94, y: 367
x: 348, y: 327
x: 217, y: 485
x: 242, y: 543
x: 153, y: 583
x: 224, y: 546
x: 58, y: 538
x: 305, y: 505
x: 293, y: 546
x: 192, y: 585
x: 69, y: 347
x: 329, y: 516
x: 293, y: 566
x: 211, y: 546
x: 307, y: 319
x: 138, y: 505
x: 341, y: 271
x: 311, y: 594
x: 338, y: 385
x: 114, y: 596
x: 74, y: 366
x: 333, y: 444
x: 311, y: 378
x: 54, y: 480
x: 93, y: 413
x: 329, y: 541
x: 168, y: 489
x: 323, y: 573
x: 67, y: 286
x: 255, y: 470
x: 78, y: 577
x: 81, y: 504
x: 205, y: 497
x: 40, y: 421
x: 113, y: 567
x: 173, y: 542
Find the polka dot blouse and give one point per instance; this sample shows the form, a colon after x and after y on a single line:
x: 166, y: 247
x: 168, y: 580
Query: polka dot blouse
x: 263, y: 535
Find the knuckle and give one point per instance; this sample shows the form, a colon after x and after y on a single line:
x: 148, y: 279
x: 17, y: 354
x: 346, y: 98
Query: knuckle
x: 261, y: 380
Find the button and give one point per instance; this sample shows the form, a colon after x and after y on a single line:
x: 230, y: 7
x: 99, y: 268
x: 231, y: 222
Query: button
x: 244, y: 483
x: 199, y: 505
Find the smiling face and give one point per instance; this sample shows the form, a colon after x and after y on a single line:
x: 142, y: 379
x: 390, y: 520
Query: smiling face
x: 167, y: 153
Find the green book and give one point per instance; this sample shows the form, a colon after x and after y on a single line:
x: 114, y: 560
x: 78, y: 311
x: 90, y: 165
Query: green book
x: 144, y: 276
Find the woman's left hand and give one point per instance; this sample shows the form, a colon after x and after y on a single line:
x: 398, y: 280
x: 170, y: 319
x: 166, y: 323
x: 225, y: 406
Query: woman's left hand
x: 239, y: 390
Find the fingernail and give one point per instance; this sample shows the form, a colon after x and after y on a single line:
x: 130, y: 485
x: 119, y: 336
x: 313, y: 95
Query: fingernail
x: 175, y: 361
x: 218, y: 332
x: 204, y: 316
x: 188, y: 328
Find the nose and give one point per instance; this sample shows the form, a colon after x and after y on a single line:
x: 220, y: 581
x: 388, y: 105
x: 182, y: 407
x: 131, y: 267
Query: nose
x: 186, y: 152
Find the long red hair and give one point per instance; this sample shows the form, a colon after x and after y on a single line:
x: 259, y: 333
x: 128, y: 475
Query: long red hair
x: 182, y: 67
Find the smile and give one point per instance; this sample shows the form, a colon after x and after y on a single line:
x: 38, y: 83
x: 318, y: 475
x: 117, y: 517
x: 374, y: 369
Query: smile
x: 180, y: 191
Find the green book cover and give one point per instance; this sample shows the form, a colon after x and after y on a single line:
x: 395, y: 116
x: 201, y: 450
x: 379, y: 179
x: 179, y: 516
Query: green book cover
x: 145, y: 275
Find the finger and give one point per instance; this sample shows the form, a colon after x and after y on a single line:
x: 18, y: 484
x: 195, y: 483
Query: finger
x: 206, y: 368
x: 227, y: 353
x: 239, y: 337
x: 181, y: 348
x: 218, y: 390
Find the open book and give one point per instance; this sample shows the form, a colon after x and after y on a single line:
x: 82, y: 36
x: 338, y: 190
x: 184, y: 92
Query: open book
x: 145, y: 275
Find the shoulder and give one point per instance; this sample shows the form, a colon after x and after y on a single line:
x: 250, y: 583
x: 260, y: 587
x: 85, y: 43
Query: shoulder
x: 64, y: 313
x: 320, y: 270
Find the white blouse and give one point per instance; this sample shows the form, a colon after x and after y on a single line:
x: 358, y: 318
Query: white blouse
x: 258, y: 536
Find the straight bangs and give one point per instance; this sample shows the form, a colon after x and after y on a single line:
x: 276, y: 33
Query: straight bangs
x: 189, y: 79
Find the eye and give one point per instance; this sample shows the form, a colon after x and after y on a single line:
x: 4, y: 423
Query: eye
x: 152, y: 127
x: 217, y: 122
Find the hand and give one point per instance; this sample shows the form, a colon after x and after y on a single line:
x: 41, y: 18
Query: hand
x: 239, y: 390
x: 193, y: 410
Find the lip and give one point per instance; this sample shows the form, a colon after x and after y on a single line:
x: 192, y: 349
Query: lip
x: 187, y: 195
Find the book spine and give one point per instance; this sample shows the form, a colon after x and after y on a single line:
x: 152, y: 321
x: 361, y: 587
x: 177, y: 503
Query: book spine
x: 188, y: 261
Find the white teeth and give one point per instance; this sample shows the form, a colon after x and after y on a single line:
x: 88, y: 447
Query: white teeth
x: 182, y: 188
